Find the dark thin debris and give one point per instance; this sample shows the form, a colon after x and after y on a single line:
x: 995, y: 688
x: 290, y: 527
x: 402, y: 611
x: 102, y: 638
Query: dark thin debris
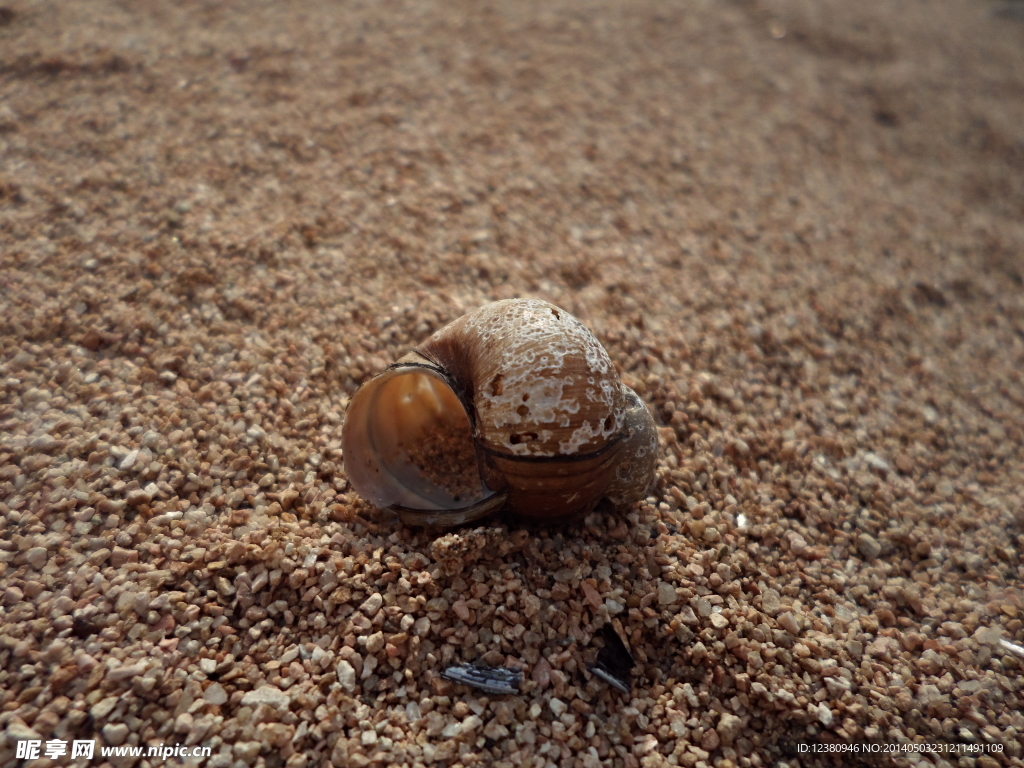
x: 496, y: 680
x: 614, y: 661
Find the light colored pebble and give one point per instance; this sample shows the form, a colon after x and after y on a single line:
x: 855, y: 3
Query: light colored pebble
x: 666, y: 593
x: 115, y: 734
x: 129, y: 461
x: 788, y: 622
x: 824, y: 714
x: 868, y: 546
x: 18, y: 731
x: 246, y: 751
x: 770, y: 602
x: 729, y: 727
x: 36, y: 557
x: 126, y: 672
x: 375, y: 642
x: 346, y: 676
x: 215, y: 694
x: 266, y: 694
x: 372, y: 604
x: 104, y: 707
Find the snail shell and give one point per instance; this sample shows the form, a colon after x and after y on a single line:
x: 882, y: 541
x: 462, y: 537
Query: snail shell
x: 515, y: 405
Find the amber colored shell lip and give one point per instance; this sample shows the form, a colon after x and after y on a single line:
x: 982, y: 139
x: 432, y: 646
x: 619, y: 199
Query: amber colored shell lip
x: 364, y: 463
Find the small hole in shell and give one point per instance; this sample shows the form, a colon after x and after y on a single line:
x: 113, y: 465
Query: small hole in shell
x: 608, y: 424
x: 522, y: 437
x: 522, y: 410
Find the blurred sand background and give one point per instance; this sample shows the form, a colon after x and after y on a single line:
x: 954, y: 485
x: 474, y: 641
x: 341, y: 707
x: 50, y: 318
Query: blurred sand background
x: 797, y: 227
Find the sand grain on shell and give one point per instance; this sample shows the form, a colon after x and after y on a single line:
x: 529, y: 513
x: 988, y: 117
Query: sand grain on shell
x: 796, y: 230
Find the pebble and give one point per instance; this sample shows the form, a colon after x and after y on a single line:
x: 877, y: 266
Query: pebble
x: 138, y: 497
x: 666, y: 593
x: 988, y: 635
x: 710, y: 741
x: 421, y: 627
x: 266, y: 694
x: 115, y: 734
x: 372, y: 605
x: 346, y: 676
x: 215, y: 694
x: 788, y: 622
x: 45, y: 444
x: 495, y: 730
x: 126, y: 672
x: 129, y: 461
x: 824, y: 714
x: 246, y: 751
x: 877, y: 463
x: 18, y: 731
x: 183, y: 723
x: 729, y: 727
x: 770, y: 602
x: 461, y: 609
x: 926, y: 694
x: 646, y: 744
x: 541, y: 673
x: 868, y: 546
x: 614, y: 607
x: 104, y: 707
x: 36, y: 557
x: 375, y: 642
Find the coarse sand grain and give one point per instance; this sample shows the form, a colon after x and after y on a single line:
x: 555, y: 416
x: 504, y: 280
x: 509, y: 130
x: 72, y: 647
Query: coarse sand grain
x: 798, y: 229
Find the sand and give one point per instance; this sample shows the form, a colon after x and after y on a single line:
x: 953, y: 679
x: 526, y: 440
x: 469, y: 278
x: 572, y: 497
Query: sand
x: 795, y: 226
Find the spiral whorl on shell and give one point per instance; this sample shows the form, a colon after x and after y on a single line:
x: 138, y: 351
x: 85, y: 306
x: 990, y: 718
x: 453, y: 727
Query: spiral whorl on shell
x: 515, y: 405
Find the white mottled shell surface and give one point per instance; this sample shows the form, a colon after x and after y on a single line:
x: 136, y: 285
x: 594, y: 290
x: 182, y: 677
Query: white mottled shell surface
x: 542, y: 383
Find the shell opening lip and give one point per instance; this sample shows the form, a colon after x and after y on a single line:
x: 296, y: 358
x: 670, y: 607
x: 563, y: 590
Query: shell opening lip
x: 400, y: 426
x: 408, y: 364
x: 451, y: 517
